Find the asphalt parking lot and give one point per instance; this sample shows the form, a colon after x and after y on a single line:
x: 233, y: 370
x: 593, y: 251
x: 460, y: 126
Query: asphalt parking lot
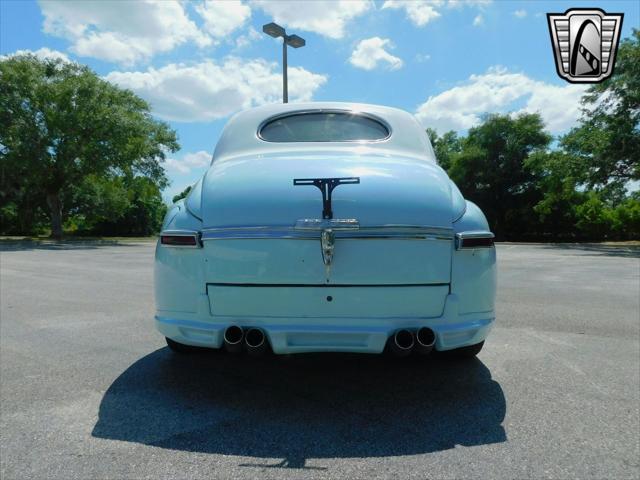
x: 89, y: 390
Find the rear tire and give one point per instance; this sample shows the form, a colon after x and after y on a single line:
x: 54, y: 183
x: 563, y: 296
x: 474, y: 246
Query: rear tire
x: 178, y: 347
x: 466, y: 352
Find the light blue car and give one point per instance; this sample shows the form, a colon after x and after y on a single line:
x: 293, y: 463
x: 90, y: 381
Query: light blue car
x: 325, y: 227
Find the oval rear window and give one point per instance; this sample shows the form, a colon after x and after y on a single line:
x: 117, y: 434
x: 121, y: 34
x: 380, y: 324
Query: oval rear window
x: 323, y: 127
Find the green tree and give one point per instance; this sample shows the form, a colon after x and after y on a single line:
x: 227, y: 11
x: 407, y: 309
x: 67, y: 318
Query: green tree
x: 608, y: 137
x: 584, y: 182
x: 143, y: 214
x: 445, y: 147
x: 119, y: 206
x: 490, y: 169
x: 96, y: 200
x: 557, y: 185
x: 60, y: 124
x: 625, y: 218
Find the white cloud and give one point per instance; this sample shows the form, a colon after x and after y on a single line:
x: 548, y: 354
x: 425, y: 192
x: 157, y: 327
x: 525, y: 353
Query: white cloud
x: 422, y: 57
x: 324, y: 17
x: 223, y: 17
x: 478, y: 21
x: 497, y: 90
x: 207, y: 91
x: 468, y: 3
x: 123, y: 32
x: 520, y: 13
x: 42, y: 53
x: 188, y: 161
x: 421, y: 12
x: 251, y: 36
x: 370, y: 53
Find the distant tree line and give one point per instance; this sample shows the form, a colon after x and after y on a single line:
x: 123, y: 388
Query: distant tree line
x: 80, y: 155
x: 577, y: 187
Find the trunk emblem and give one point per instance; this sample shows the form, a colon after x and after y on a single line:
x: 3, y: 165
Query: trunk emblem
x: 327, y: 242
x: 326, y: 186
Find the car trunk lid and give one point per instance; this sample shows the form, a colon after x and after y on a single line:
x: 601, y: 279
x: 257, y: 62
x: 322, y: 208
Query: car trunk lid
x: 393, y: 227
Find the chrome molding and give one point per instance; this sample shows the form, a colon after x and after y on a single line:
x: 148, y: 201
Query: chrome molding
x: 328, y: 243
x: 333, y: 223
x: 310, y: 229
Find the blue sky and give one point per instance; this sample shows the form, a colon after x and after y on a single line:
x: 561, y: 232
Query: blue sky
x: 199, y: 62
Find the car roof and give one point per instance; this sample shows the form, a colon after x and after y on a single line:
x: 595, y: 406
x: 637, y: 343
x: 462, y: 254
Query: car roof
x: 240, y: 135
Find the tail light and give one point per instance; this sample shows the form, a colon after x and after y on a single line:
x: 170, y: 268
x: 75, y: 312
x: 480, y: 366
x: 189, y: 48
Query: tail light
x: 466, y: 240
x: 180, y: 239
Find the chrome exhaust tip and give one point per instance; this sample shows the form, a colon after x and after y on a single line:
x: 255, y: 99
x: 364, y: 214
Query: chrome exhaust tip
x: 425, y: 340
x: 256, y: 341
x: 401, y: 343
x: 233, y: 337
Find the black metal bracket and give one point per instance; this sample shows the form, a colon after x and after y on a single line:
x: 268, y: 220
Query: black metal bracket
x: 326, y: 186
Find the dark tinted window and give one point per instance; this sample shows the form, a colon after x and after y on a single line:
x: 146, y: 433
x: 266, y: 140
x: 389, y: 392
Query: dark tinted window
x: 323, y: 127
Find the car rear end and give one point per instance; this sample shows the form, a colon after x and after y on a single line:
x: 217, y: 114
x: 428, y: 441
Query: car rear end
x: 250, y: 260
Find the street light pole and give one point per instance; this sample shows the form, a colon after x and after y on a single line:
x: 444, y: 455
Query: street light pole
x: 276, y: 31
x: 285, y: 79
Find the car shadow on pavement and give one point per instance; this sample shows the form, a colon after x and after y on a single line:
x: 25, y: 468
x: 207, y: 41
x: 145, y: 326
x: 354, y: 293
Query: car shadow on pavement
x: 282, y: 411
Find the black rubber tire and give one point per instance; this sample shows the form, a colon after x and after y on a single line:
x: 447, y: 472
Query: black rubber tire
x: 466, y: 352
x: 180, y: 347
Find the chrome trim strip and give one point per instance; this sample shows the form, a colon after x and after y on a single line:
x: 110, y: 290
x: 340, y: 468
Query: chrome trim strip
x: 321, y: 224
x: 312, y: 231
x: 475, y: 234
x: 182, y: 233
x: 326, y: 285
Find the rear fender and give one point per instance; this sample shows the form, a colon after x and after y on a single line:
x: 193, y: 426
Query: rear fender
x: 179, y: 279
x: 473, y: 271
